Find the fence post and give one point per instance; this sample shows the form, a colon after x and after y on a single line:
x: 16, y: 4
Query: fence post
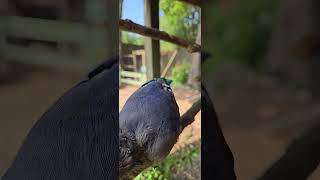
x: 152, y: 47
x: 102, y: 41
x: 3, y: 12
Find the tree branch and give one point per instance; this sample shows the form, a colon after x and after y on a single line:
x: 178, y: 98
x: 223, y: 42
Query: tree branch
x: 130, y: 26
x: 188, y: 117
x: 300, y: 160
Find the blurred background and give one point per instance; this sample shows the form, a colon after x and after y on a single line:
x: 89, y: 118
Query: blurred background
x: 263, y: 77
x: 46, y: 47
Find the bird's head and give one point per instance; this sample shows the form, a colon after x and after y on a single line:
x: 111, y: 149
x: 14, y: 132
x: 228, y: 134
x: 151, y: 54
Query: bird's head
x: 163, y: 82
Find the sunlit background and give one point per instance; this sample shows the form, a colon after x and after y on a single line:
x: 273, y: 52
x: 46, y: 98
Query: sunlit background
x: 176, y: 63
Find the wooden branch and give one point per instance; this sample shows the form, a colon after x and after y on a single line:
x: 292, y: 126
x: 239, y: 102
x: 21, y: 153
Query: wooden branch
x: 193, y: 2
x: 300, y: 160
x: 188, y: 117
x: 130, y: 26
x: 171, y: 60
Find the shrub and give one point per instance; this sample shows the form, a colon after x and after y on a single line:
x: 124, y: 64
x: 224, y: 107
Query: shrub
x: 180, y: 73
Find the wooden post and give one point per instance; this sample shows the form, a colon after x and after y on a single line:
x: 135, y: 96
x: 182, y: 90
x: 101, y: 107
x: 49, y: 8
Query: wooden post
x: 152, y: 47
x: 102, y: 41
x: 196, y: 64
x: 3, y: 12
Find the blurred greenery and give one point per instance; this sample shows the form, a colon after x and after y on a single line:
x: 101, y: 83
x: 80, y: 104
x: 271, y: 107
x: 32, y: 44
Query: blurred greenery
x: 180, y: 19
x: 130, y: 38
x: 239, y: 30
x: 180, y: 73
x: 174, y: 163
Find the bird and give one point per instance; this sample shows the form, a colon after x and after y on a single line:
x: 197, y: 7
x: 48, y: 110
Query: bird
x: 77, y: 137
x: 148, y: 127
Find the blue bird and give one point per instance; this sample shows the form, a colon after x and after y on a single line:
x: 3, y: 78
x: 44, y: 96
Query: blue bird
x: 149, y: 127
x: 77, y: 138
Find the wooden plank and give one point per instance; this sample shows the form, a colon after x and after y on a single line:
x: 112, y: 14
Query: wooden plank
x: 128, y: 56
x: 138, y: 52
x: 41, y: 57
x: 131, y: 74
x: 46, y: 30
x: 134, y: 61
x: 128, y: 66
x: 152, y: 46
x: 130, y: 81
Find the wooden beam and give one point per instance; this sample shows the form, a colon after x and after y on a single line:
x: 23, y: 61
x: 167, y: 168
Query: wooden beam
x: 132, y: 82
x: 128, y: 25
x: 42, y: 57
x: 46, y: 30
x: 152, y: 46
x: 131, y: 74
x: 171, y: 60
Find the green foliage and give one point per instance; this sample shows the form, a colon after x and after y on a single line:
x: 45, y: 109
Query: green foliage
x: 180, y: 73
x: 179, y: 19
x: 240, y: 30
x: 130, y: 38
x: 151, y: 173
x: 172, y: 164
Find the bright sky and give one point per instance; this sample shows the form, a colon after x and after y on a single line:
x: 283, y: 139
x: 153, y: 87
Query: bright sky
x: 133, y: 10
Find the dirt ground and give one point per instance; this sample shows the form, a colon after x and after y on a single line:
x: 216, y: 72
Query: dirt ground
x: 242, y: 109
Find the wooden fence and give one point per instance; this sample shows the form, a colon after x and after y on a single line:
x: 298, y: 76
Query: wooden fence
x: 51, y: 31
x: 94, y: 37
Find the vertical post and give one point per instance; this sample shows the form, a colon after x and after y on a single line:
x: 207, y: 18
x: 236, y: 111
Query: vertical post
x: 3, y: 12
x: 152, y: 47
x: 102, y: 41
x: 196, y: 64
